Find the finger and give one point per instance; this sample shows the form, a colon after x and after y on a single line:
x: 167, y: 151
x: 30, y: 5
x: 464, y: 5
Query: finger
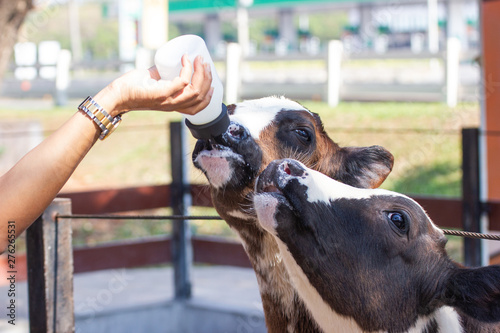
x: 182, y: 95
x: 201, y: 85
x: 186, y: 98
x: 197, y: 104
x: 177, y: 88
x: 185, y: 94
x: 187, y: 69
x: 202, y: 78
x: 183, y: 80
x: 195, y: 108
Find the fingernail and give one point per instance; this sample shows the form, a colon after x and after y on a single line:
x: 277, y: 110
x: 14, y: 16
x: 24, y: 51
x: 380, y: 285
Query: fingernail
x: 208, y: 69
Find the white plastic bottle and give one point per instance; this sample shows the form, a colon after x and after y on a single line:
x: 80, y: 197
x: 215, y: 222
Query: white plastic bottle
x: 213, y: 120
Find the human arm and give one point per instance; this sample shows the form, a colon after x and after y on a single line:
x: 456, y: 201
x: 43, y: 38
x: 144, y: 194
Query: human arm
x: 31, y: 185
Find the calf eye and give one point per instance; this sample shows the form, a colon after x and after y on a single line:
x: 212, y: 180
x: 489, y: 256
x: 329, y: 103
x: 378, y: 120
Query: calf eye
x: 303, y: 135
x: 398, y: 220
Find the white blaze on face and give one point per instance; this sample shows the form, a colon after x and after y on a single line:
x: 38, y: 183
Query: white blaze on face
x: 321, y: 188
x: 257, y: 114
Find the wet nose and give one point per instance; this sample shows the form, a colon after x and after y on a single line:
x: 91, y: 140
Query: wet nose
x: 236, y: 132
x: 293, y: 168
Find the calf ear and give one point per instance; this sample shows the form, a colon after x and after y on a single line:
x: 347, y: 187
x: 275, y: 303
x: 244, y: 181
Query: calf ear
x: 475, y: 292
x: 364, y: 167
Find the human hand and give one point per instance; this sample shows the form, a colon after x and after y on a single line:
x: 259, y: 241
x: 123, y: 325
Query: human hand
x: 188, y: 93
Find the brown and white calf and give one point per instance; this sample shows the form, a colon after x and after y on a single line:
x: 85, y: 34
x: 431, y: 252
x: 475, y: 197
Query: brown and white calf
x: 261, y: 131
x: 370, y: 260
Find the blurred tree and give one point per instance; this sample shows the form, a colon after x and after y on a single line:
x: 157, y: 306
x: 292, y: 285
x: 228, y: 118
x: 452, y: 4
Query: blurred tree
x: 12, y: 15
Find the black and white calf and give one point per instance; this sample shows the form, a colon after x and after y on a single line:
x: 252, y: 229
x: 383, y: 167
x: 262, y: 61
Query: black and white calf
x: 370, y: 260
x: 261, y: 131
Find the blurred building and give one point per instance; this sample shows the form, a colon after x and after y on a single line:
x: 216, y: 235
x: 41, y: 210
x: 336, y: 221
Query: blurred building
x: 378, y: 25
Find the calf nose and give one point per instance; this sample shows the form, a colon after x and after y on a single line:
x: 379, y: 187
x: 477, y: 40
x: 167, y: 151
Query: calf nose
x: 293, y: 168
x: 236, y: 132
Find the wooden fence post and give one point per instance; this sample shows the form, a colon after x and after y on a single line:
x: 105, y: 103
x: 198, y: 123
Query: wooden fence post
x: 452, y: 71
x: 50, y: 271
x: 233, y: 73
x: 63, y: 78
x: 182, y: 252
x: 471, y: 195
